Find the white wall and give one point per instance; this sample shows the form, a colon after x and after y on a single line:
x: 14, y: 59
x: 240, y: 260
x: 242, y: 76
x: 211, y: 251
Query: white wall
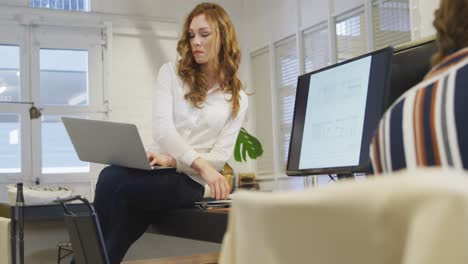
x: 342, y: 6
x: 422, y: 15
x: 15, y: 2
x: 136, y: 61
x: 148, y: 8
x: 313, y: 12
x: 268, y: 19
x: 161, y: 9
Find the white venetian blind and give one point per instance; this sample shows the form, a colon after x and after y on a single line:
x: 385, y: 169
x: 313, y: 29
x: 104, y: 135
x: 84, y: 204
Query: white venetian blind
x: 72, y: 5
x: 287, y: 71
x: 390, y: 22
x: 351, y: 35
x: 260, y: 63
x: 316, y: 47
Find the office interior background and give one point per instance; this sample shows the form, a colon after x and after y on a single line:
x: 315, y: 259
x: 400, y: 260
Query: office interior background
x: 99, y: 59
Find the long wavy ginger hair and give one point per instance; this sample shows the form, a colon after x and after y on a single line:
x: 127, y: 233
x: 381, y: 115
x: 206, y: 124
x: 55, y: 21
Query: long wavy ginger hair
x: 451, y: 23
x: 226, y: 63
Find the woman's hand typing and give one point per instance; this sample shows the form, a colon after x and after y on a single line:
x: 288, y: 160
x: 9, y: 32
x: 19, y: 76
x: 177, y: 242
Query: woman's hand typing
x: 161, y: 159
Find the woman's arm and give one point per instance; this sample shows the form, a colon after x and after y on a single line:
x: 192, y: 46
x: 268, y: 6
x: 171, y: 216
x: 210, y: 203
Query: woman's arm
x: 164, y: 131
x: 223, y: 148
x: 208, y: 165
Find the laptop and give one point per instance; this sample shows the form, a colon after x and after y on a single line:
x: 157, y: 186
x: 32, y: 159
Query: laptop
x: 108, y: 143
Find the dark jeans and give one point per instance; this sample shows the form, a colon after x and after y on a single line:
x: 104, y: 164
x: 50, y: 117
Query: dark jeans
x: 126, y: 201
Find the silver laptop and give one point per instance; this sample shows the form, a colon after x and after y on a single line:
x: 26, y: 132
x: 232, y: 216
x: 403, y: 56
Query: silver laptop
x: 108, y: 143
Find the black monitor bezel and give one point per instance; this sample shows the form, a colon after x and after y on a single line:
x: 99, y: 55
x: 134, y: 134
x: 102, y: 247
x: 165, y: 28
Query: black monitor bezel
x: 391, y: 96
x: 345, y: 169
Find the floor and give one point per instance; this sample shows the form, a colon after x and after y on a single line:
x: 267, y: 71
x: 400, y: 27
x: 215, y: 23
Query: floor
x: 209, y: 258
x: 159, y: 249
x: 151, y: 246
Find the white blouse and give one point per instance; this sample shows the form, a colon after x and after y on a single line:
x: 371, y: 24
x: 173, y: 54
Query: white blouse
x: 186, y: 132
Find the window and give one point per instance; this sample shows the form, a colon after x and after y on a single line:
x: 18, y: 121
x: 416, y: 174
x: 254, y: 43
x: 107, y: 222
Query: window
x: 351, y: 36
x: 75, y: 5
x: 63, y: 82
x: 260, y: 63
x: 66, y: 81
x: 60, y: 71
x: 287, y: 71
x: 58, y: 154
x: 10, y: 143
x: 316, y: 48
x: 9, y: 73
x: 391, y: 22
x: 64, y: 77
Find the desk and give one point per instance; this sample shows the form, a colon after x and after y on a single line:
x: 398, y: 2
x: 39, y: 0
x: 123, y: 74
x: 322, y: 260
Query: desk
x: 33, y: 213
x: 190, y: 223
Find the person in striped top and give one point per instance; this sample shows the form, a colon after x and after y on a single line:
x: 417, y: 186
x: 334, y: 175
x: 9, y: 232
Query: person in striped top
x: 428, y: 125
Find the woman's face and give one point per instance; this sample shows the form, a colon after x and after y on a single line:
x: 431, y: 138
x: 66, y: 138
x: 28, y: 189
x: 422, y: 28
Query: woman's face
x: 201, y: 39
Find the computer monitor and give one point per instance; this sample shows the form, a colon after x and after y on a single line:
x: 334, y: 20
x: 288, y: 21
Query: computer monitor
x: 336, y: 112
x: 411, y: 62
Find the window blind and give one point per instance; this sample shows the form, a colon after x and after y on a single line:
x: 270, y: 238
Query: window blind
x: 316, y: 47
x: 287, y: 71
x: 351, y: 35
x: 261, y: 84
x: 390, y: 22
x: 75, y: 5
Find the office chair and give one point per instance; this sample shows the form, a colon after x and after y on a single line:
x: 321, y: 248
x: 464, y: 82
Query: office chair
x: 85, y: 233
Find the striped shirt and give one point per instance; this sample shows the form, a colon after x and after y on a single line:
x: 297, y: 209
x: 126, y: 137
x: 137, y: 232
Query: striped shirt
x: 428, y: 125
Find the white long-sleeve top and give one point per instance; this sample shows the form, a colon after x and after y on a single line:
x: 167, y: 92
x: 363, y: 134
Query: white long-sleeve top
x: 186, y: 132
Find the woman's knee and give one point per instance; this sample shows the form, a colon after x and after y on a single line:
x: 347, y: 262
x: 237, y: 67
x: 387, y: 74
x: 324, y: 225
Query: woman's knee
x: 112, y: 175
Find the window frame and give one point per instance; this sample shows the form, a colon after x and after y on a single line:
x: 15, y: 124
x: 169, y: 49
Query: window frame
x: 95, y: 109
x: 15, y: 35
x: 31, y: 38
x: 283, y: 127
x: 265, y: 162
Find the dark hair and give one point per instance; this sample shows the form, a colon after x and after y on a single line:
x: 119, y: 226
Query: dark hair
x: 451, y: 23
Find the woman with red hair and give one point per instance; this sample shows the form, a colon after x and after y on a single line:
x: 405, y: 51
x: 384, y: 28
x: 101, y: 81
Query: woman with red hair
x: 199, y: 107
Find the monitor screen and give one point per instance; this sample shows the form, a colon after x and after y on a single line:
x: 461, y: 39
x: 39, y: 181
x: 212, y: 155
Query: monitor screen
x: 336, y: 112
x: 411, y: 62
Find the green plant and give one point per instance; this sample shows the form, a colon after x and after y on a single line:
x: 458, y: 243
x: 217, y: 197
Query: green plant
x: 246, y: 144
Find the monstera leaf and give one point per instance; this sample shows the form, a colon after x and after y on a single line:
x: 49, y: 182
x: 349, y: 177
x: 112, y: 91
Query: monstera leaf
x: 247, y: 144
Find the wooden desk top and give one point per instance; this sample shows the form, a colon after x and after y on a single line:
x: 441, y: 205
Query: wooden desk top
x: 195, y: 259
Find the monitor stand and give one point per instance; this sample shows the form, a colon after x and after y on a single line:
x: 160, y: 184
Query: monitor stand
x: 343, y: 176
